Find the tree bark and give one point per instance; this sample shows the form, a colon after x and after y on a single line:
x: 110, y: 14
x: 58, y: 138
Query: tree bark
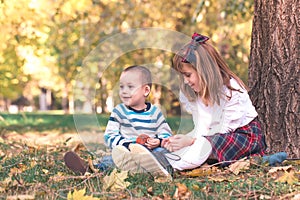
x: 274, y: 72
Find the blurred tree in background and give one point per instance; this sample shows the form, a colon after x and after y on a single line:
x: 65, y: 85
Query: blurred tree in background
x: 43, y: 44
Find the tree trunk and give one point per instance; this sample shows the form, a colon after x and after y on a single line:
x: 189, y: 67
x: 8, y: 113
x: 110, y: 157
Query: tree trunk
x: 274, y: 72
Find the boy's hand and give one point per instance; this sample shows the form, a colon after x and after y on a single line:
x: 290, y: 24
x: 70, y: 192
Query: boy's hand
x: 149, y: 142
x: 152, y: 143
x: 142, y: 139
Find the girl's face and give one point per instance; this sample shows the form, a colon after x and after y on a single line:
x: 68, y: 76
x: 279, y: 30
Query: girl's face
x: 132, y: 91
x: 190, y: 76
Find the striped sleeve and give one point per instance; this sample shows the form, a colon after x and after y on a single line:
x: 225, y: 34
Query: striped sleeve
x: 112, y: 135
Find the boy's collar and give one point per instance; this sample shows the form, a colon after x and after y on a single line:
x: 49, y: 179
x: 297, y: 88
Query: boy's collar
x: 143, y: 110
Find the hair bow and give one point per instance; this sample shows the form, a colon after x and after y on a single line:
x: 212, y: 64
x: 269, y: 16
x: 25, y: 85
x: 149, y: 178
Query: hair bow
x: 197, y: 39
x: 200, y: 38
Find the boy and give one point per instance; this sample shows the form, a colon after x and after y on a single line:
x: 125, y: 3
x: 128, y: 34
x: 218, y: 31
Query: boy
x: 132, y: 118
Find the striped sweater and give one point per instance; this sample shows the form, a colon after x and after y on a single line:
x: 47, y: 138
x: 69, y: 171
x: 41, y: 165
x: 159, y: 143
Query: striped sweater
x: 126, y: 124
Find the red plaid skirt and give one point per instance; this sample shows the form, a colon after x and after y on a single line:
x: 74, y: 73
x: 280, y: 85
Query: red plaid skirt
x: 245, y: 141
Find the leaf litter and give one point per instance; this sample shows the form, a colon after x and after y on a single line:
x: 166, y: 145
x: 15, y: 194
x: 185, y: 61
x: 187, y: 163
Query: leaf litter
x: 38, y: 167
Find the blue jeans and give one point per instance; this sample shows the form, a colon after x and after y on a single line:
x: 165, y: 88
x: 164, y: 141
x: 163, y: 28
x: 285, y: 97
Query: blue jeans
x: 107, y: 163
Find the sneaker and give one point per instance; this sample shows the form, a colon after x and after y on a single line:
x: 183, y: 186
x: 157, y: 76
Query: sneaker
x: 153, y: 162
x: 275, y: 158
x: 75, y: 163
x: 161, y: 158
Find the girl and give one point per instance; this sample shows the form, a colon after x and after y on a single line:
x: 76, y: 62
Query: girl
x: 226, y: 124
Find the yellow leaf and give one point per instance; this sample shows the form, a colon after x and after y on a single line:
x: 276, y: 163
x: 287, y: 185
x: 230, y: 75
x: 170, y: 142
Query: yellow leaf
x: 288, y: 177
x: 45, y: 171
x: 238, y: 166
x: 70, y: 196
x: 80, y: 195
x: 199, y: 172
x: 116, y: 181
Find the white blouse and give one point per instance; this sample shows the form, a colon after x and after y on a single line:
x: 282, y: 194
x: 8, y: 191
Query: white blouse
x: 226, y: 117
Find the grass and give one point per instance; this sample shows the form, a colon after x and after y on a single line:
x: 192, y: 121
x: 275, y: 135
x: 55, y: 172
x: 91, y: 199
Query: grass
x: 38, y: 171
x: 25, y: 122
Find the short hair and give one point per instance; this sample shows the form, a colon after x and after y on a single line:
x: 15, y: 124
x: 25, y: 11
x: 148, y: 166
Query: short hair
x: 145, y: 72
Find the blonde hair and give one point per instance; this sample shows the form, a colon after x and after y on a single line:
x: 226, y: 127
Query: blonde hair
x: 213, y: 73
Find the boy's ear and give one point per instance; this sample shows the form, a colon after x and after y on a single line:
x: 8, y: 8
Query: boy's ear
x: 147, y: 90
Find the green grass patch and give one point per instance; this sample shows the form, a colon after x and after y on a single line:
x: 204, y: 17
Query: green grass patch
x: 25, y: 122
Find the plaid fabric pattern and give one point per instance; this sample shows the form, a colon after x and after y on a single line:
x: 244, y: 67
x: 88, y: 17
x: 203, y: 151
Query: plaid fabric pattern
x: 244, y: 141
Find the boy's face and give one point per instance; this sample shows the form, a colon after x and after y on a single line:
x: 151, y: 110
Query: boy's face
x: 132, y: 91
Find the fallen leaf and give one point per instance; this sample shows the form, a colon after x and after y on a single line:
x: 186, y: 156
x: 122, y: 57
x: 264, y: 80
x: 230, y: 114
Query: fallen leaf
x: 239, y: 166
x: 150, y: 190
x: 33, y: 163
x: 218, y: 178
x: 115, y: 181
x: 288, y: 177
x: 91, y: 165
x: 284, y: 168
x: 14, y: 170
x: 195, y: 187
x: 31, y: 148
x: 80, y: 195
x: 182, y: 192
x: 78, y: 147
x: 199, y: 172
x: 292, y: 162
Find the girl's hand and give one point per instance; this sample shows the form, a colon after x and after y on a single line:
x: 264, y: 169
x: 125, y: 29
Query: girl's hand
x: 177, y: 142
x: 152, y: 143
x: 164, y: 141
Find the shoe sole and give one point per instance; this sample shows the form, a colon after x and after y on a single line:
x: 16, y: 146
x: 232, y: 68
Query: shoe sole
x: 75, y: 163
x: 146, y: 160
